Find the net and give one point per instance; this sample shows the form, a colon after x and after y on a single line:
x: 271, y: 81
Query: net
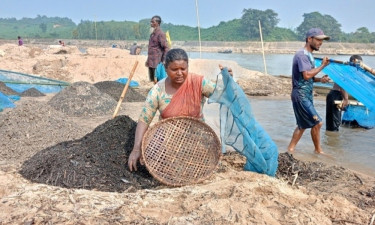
x: 240, y: 130
x: 20, y: 82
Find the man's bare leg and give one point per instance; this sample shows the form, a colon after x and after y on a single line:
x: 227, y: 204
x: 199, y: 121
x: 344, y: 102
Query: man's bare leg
x: 297, y: 134
x: 315, y: 136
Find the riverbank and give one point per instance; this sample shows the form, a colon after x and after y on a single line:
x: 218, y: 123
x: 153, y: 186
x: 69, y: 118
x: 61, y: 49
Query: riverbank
x: 49, y: 141
x: 246, y: 47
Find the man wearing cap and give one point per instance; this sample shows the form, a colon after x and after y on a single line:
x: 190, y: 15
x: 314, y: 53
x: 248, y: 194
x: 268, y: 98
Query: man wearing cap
x: 303, y: 75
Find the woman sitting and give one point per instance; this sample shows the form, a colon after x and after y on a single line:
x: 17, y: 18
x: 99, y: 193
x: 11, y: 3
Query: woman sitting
x: 180, y: 94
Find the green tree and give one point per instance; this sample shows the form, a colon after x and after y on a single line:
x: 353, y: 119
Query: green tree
x: 250, y: 22
x: 43, y: 27
x: 327, y: 23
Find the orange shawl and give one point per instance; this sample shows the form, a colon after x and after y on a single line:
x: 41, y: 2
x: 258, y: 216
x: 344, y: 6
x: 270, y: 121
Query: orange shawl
x: 187, y: 100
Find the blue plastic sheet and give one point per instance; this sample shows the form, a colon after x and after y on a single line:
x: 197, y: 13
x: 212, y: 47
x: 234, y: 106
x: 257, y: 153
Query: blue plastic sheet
x: 6, y: 102
x: 160, y: 72
x: 356, y: 81
x: 124, y: 80
x: 361, y: 115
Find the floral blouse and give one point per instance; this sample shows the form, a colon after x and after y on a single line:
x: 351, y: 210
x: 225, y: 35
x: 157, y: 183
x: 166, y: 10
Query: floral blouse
x: 158, y: 99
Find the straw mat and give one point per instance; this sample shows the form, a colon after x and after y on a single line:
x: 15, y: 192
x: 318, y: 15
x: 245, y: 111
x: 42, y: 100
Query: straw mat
x: 181, y: 150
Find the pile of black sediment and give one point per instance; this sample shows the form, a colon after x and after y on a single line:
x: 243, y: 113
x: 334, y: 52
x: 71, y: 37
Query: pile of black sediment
x: 7, y: 90
x: 97, y: 161
x: 114, y: 89
x: 83, y: 99
x: 33, y: 126
x: 305, y: 172
x: 32, y: 92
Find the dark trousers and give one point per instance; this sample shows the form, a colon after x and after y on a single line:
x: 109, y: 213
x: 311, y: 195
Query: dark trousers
x: 151, y: 74
x: 333, y: 114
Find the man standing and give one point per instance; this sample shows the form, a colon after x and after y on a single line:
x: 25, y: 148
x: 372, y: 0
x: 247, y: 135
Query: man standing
x: 303, y: 75
x: 157, y: 48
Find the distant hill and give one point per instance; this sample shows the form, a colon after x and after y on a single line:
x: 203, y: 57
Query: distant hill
x: 39, y: 27
x: 43, y: 27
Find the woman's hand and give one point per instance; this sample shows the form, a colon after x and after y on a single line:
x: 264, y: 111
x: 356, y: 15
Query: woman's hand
x: 229, y: 69
x: 134, y: 156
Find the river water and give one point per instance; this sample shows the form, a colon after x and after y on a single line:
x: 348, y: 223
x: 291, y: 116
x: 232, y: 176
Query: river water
x: 352, y: 148
x: 276, y: 64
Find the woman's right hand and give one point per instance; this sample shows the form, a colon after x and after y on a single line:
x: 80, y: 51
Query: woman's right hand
x: 134, y: 156
x: 221, y: 67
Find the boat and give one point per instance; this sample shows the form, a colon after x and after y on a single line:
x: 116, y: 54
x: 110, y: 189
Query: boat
x: 226, y: 51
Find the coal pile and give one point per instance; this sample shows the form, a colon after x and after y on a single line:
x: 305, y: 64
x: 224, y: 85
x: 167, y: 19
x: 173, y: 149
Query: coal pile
x: 83, y: 99
x: 114, y: 89
x: 32, y: 92
x: 97, y: 161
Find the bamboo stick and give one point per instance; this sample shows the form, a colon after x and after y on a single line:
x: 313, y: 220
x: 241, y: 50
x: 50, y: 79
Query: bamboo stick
x: 367, y: 68
x: 261, y: 39
x: 361, y: 64
x: 339, y: 102
x: 125, y: 90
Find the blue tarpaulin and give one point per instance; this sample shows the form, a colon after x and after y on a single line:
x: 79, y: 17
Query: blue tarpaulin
x: 124, y: 80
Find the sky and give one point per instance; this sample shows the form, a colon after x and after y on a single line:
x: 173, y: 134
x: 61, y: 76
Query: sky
x: 351, y: 14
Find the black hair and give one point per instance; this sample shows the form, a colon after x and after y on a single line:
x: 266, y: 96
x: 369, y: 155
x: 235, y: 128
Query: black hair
x: 176, y: 54
x: 355, y: 58
x: 19, y: 37
x: 157, y: 19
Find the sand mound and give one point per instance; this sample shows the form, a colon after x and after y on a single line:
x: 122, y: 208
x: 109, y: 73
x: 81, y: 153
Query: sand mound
x: 97, y: 161
x: 83, y: 99
x: 114, y: 89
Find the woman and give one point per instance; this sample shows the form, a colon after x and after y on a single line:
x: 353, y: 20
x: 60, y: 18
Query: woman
x: 179, y: 94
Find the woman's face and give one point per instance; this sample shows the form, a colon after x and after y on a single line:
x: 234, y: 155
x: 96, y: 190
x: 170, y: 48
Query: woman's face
x: 177, y: 71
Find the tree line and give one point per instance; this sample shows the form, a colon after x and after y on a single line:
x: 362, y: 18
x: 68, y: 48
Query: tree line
x: 244, y: 29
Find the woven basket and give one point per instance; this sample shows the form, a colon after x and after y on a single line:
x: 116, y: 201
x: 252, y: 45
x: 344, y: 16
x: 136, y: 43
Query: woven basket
x: 181, y: 150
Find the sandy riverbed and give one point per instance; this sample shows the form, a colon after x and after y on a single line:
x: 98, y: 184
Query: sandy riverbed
x: 302, y: 192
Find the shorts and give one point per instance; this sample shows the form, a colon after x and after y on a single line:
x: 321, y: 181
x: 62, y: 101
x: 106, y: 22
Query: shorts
x: 306, y: 115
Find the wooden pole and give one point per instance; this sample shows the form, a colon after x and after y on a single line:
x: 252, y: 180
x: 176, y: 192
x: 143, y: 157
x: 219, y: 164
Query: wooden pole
x: 361, y: 64
x: 261, y: 39
x: 125, y: 90
x: 367, y: 68
x: 199, y: 30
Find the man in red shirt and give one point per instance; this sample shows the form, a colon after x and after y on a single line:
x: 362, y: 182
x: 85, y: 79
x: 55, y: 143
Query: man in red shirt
x: 157, y: 48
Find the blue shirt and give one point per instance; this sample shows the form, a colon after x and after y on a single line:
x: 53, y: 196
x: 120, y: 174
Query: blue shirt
x: 302, y: 89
